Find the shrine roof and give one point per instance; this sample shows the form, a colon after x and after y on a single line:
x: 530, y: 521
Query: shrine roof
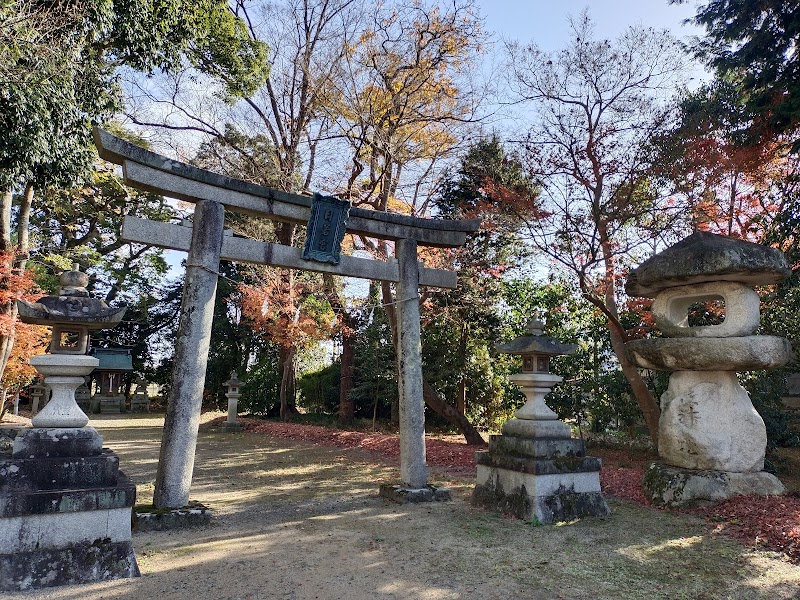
x: 113, y: 359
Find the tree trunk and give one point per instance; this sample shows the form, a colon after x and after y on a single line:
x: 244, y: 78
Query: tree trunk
x: 3, y: 405
x: 18, y: 264
x: 347, y: 330
x: 346, y: 404
x: 23, y: 224
x: 647, y: 403
x: 9, y: 310
x: 443, y: 409
x: 285, y: 233
x: 461, y: 401
x: 388, y: 305
x: 5, y: 220
x: 286, y: 376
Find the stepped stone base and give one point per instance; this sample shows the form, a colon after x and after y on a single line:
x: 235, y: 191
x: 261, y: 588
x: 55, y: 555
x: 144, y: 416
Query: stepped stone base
x: 65, y: 511
x: 401, y: 494
x: 79, y: 563
x: 149, y: 518
x: 110, y: 404
x: 45, y: 442
x: 140, y: 405
x: 673, y: 486
x: 541, y: 480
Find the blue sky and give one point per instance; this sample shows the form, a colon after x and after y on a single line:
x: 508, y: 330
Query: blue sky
x: 545, y: 21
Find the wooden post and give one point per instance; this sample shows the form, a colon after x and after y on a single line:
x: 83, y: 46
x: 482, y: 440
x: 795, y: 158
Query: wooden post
x: 182, y: 420
x: 413, y: 469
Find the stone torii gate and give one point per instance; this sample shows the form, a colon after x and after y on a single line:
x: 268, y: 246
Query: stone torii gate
x: 206, y: 245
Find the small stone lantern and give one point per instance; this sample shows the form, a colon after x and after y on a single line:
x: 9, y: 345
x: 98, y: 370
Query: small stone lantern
x: 233, y: 394
x: 535, y: 469
x: 140, y: 400
x: 536, y: 380
x: 71, y: 314
x: 39, y: 397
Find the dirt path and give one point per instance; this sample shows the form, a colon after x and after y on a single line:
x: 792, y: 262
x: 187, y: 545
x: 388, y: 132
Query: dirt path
x: 295, y: 521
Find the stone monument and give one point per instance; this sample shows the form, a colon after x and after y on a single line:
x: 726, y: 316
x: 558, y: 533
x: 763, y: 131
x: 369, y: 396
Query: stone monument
x: 535, y: 469
x: 140, y: 399
x: 65, y: 507
x: 711, y: 439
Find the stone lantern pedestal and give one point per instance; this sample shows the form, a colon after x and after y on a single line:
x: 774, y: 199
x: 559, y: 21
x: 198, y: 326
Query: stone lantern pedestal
x: 63, y: 374
x: 535, y: 469
x: 65, y: 507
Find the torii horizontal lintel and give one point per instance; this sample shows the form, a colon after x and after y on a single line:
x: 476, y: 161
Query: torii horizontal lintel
x: 179, y: 237
x: 156, y: 173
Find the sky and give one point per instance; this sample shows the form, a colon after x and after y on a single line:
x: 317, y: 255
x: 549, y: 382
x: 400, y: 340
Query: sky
x: 545, y: 21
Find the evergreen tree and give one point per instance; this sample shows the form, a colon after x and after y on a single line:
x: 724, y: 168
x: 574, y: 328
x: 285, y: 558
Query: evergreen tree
x: 754, y: 43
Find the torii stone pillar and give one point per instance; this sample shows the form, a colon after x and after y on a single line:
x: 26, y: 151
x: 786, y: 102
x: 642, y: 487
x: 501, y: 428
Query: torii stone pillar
x: 182, y: 421
x: 413, y: 469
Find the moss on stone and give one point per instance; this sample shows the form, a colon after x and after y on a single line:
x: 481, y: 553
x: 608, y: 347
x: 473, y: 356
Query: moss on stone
x: 517, y: 503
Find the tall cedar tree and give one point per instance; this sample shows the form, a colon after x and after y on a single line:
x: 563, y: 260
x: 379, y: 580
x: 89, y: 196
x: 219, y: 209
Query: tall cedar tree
x: 491, y: 185
x: 755, y: 43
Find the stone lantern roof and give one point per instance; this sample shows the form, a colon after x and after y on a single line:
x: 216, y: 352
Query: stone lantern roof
x: 233, y: 381
x: 704, y: 257
x: 536, y: 343
x: 71, y: 306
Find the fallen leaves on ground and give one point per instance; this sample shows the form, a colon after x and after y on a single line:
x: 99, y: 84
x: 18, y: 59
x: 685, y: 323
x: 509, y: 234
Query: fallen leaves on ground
x: 457, y: 457
x: 771, y: 523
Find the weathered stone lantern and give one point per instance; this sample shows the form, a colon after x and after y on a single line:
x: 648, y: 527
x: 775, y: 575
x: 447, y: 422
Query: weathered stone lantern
x: 536, y: 380
x: 65, y: 507
x: 233, y: 395
x: 535, y: 469
x: 711, y: 440
x: 71, y: 314
x: 140, y: 400
x: 39, y: 396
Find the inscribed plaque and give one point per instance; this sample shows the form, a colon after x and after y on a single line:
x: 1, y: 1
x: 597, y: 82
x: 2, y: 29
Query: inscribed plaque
x: 326, y: 229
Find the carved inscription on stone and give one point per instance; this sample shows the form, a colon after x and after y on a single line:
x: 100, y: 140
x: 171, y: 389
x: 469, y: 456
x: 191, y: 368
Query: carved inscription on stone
x: 687, y: 413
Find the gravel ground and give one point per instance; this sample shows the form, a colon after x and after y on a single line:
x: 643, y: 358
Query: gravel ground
x: 296, y: 521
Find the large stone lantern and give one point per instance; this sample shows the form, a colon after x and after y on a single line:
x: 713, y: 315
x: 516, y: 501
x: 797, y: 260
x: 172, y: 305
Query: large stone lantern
x: 535, y: 469
x: 65, y: 507
x: 711, y: 440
